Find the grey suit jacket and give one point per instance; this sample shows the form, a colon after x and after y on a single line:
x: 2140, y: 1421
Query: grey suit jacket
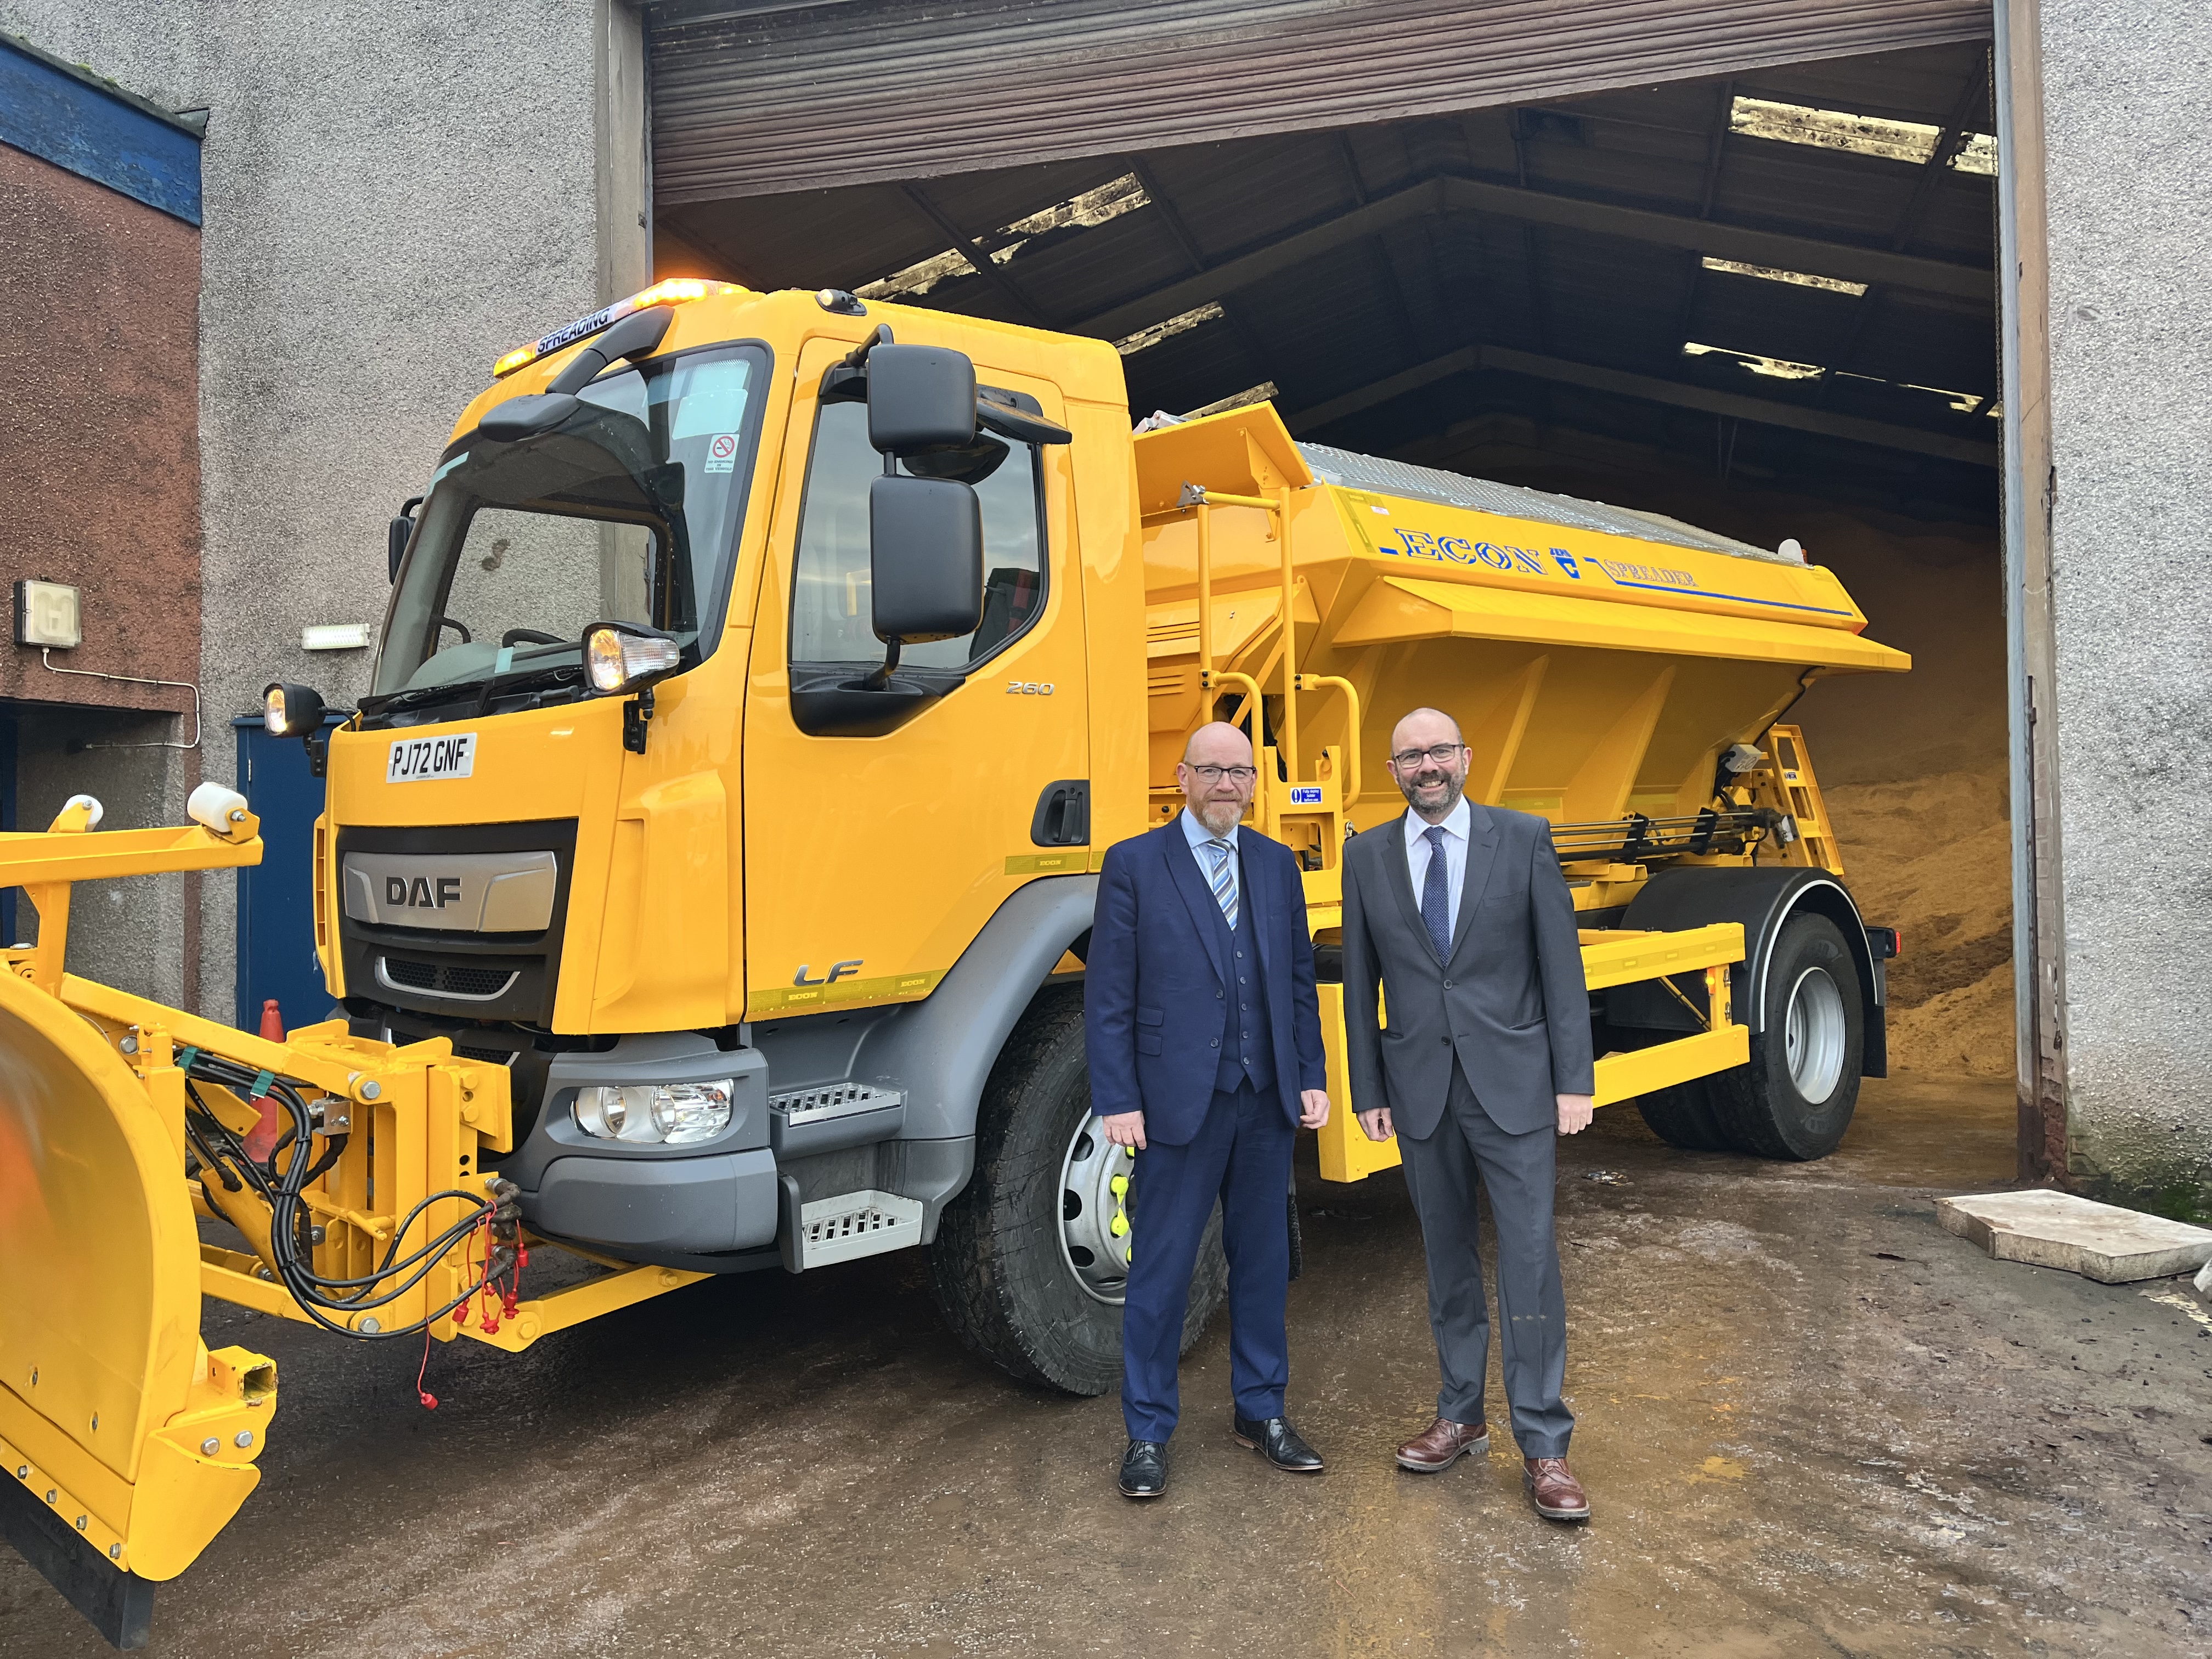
x: 1511, y: 1005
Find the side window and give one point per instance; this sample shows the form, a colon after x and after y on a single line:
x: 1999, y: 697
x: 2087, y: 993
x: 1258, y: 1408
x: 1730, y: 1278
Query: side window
x: 829, y: 609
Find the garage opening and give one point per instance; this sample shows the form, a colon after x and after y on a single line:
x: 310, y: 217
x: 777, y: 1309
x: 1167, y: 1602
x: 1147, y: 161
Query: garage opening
x: 1762, y: 303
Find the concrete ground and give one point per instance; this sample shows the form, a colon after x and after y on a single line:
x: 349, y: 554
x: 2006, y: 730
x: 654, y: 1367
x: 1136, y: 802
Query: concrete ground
x: 1811, y: 1422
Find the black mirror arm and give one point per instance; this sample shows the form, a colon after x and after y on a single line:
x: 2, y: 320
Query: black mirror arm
x: 881, y: 678
x: 1018, y: 424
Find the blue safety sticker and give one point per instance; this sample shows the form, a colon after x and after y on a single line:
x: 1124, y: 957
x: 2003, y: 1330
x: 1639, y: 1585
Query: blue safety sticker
x: 1305, y: 794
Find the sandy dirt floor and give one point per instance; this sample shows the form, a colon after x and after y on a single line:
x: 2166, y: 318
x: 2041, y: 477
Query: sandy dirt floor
x: 1811, y: 1423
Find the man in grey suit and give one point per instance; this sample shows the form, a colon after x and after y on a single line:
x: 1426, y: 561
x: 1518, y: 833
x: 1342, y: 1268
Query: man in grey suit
x: 1457, y: 912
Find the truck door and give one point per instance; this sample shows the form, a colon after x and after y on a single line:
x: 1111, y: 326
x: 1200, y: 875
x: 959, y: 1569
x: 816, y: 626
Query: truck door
x: 874, y: 856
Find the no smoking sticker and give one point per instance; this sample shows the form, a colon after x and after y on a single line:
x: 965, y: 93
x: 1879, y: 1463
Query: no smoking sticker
x: 722, y: 452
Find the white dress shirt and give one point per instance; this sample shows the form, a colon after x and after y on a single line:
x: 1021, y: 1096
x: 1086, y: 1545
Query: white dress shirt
x: 1455, y: 827
x: 1198, y: 834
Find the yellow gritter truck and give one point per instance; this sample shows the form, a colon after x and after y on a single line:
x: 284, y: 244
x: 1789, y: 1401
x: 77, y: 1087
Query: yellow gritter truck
x: 706, y: 876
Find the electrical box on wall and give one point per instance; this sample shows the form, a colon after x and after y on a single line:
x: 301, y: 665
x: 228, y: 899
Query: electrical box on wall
x: 47, y: 615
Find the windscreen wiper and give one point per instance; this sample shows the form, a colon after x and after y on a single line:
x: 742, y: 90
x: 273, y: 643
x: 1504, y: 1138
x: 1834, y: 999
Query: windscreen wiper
x: 422, y: 696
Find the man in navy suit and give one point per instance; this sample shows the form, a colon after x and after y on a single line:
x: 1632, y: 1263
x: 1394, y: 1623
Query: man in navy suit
x: 1204, y: 1039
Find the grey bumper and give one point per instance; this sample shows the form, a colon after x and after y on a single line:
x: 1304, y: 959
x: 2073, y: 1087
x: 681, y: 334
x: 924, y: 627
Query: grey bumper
x: 703, y: 1205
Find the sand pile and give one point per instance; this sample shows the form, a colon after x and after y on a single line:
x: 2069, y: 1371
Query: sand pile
x: 1914, y: 769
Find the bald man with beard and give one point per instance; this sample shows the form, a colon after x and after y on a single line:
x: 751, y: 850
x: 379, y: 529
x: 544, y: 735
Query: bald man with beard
x: 1203, y: 1035
x: 1457, y: 913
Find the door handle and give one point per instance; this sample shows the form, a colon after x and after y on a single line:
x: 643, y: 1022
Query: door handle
x: 1063, y: 814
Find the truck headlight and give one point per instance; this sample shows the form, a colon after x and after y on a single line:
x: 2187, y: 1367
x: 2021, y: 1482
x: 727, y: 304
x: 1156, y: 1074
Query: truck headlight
x: 621, y: 656
x: 672, y: 1113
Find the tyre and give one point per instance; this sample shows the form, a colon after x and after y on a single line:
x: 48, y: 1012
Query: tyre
x: 1683, y: 1115
x: 1796, y: 1098
x: 1027, y: 1268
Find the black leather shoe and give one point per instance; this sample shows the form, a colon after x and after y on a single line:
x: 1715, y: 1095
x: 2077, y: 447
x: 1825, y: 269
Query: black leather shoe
x: 1278, y: 1442
x: 1144, y: 1468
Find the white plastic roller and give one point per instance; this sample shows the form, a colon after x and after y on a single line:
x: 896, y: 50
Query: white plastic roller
x: 212, y: 805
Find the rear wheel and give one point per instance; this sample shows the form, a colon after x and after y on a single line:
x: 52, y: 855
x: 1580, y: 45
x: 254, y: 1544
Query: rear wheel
x: 1796, y: 1098
x: 1028, y: 1267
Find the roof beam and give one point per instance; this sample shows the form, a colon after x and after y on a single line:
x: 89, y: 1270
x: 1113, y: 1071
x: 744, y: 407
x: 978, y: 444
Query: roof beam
x: 1449, y: 194
x: 1620, y: 383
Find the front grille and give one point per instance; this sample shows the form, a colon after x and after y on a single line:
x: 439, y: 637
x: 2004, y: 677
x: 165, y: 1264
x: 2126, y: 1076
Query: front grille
x: 487, y: 977
x: 448, y: 979
x: 495, y: 1056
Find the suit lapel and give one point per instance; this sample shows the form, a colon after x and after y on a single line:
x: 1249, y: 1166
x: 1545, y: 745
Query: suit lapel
x: 1400, y: 877
x: 1481, y: 854
x: 1252, y: 893
x: 1197, y: 896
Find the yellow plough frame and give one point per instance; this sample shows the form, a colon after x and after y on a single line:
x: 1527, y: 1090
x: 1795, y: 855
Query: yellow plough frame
x: 125, y: 1445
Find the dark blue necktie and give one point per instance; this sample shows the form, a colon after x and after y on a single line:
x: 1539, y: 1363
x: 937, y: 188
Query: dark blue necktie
x: 1436, y: 896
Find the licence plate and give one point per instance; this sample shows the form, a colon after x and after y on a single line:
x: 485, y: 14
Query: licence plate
x: 413, y: 760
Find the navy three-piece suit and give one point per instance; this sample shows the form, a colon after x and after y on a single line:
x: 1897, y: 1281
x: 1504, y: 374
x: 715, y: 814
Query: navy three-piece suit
x: 1211, y: 1029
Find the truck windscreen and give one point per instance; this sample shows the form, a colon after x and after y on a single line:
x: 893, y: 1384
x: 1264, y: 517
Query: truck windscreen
x: 625, y: 513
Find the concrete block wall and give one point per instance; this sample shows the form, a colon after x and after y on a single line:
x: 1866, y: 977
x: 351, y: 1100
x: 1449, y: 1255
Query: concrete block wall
x: 2127, y: 118
x: 394, y: 194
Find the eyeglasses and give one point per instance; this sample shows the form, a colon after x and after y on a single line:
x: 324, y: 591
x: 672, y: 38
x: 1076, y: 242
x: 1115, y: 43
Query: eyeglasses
x: 1441, y: 753
x: 1213, y: 774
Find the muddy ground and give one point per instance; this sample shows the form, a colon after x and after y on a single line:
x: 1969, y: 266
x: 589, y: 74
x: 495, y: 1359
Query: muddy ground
x: 1811, y: 1422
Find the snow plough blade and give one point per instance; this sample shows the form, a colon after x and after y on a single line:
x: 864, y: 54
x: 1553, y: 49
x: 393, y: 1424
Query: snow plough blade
x: 125, y: 1445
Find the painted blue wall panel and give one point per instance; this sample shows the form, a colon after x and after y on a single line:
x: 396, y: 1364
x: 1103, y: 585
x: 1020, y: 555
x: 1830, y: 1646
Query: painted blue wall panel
x: 53, y: 114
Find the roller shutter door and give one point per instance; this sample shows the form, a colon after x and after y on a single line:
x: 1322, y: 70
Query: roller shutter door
x: 761, y: 98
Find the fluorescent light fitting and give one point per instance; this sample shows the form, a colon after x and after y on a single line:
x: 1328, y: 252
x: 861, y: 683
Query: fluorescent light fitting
x: 1769, y: 274
x: 1145, y: 339
x: 1256, y: 394
x: 1779, y: 368
x: 1093, y: 207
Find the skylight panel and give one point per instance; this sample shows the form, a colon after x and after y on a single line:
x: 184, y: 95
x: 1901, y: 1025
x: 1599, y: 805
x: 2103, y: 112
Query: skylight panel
x: 1092, y: 208
x: 1257, y: 394
x: 1802, y: 279
x: 1861, y: 135
x: 1779, y: 368
x: 1145, y: 339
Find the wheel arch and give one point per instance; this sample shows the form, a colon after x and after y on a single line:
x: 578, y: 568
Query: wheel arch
x: 1762, y: 900
x: 940, y: 1051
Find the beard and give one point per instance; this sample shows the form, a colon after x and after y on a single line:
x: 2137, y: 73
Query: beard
x: 1219, y: 817
x: 1437, y: 795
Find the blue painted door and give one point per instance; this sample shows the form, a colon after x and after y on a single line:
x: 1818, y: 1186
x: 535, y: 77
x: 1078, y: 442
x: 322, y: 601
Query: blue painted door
x: 275, y: 897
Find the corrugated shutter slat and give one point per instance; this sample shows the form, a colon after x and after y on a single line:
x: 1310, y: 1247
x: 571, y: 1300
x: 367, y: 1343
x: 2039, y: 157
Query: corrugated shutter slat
x: 750, y: 101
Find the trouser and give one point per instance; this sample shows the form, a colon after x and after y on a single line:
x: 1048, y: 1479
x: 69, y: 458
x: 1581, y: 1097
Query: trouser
x: 1242, y: 1156
x: 1518, y: 1172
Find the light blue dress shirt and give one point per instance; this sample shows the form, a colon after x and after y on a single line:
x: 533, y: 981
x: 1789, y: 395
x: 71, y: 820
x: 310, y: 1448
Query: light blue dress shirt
x: 1455, y: 827
x: 1198, y: 834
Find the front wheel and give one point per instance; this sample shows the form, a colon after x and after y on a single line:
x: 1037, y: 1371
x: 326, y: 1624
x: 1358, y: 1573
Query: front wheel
x: 1029, y: 1267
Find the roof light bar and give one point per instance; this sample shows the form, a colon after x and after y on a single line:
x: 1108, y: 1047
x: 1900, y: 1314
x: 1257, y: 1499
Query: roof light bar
x: 674, y: 291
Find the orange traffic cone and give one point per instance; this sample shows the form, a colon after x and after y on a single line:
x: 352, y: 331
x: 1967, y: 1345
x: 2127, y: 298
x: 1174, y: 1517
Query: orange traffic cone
x: 261, y: 1140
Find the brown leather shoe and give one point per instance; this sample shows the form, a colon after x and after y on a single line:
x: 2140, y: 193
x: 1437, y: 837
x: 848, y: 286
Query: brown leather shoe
x: 1559, y: 1495
x: 1442, y: 1444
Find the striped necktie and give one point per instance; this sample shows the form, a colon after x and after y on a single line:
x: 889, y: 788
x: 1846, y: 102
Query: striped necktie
x: 1225, y: 880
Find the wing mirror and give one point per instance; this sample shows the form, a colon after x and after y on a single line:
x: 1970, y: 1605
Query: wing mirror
x: 924, y: 560
x: 920, y: 398
x: 398, y: 533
